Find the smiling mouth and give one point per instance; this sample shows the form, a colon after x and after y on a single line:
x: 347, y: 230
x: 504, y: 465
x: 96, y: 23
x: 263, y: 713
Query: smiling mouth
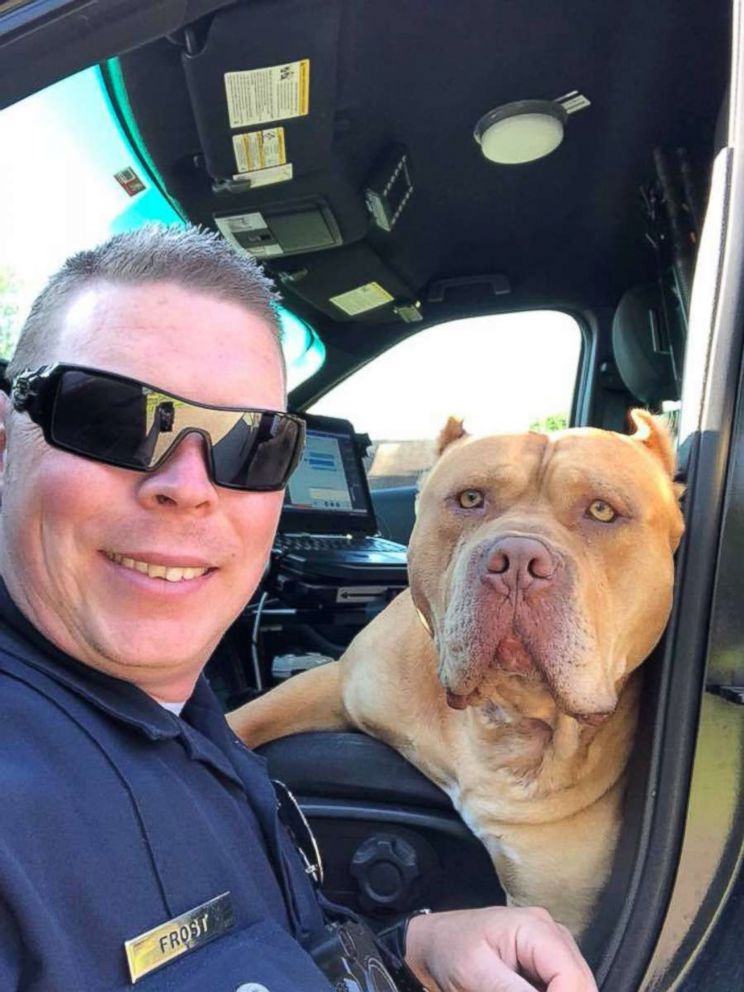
x: 171, y: 573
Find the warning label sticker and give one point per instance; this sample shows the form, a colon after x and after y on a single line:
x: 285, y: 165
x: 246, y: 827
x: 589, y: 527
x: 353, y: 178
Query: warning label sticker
x: 276, y: 93
x: 241, y: 222
x: 361, y: 299
x: 249, y: 232
x: 266, y: 177
x: 129, y: 181
x: 259, y: 149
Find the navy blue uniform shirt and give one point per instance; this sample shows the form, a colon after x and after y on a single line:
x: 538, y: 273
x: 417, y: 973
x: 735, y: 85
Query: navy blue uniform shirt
x: 117, y: 816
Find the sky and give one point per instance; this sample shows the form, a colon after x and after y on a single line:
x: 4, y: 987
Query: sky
x: 58, y: 155
x: 499, y: 372
x: 57, y: 197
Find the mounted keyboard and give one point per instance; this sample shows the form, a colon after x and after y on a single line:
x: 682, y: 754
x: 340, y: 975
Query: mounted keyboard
x: 335, y: 542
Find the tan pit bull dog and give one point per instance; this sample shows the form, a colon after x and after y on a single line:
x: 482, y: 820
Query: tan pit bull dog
x: 541, y: 571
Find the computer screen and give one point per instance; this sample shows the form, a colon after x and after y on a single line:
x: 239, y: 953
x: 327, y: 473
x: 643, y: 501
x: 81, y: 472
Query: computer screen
x: 328, y: 479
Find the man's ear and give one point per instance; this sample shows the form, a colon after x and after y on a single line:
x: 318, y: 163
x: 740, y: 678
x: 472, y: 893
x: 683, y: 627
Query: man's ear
x: 5, y: 411
x: 653, y: 433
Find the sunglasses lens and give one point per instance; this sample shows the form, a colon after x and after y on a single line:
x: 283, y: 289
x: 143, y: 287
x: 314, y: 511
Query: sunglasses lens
x: 125, y: 423
x: 257, y: 456
x: 100, y: 417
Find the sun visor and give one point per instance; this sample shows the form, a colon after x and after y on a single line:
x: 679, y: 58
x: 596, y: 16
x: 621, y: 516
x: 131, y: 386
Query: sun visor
x: 262, y: 82
x: 350, y: 284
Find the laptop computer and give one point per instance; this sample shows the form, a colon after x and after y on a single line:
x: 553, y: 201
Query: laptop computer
x: 328, y: 527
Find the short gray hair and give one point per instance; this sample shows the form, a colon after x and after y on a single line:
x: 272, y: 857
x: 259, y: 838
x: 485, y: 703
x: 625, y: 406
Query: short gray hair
x: 191, y: 257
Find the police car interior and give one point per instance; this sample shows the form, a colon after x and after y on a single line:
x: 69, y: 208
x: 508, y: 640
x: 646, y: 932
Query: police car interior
x: 375, y: 157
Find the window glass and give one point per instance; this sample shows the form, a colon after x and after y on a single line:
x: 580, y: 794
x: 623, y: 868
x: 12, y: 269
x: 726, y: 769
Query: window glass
x: 70, y: 177
x: 501, y: 373
x: 303, y: 350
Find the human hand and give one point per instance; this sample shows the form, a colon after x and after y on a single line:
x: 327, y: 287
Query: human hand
x: 495, y: 950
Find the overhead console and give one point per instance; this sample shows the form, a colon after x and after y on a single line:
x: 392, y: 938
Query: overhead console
x: 289, y: 227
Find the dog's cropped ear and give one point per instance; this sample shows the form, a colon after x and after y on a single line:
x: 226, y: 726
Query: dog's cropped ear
x: 653, y: 433
x: 453, y: 430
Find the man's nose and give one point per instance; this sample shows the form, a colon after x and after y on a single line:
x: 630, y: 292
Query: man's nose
x: 182, y: 480
x: 520, y: 563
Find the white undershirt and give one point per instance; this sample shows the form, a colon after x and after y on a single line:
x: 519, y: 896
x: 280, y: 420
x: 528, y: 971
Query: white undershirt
x: 173, y: 707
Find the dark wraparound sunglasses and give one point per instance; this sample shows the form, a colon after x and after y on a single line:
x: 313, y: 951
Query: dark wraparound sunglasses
x: 124, y: 422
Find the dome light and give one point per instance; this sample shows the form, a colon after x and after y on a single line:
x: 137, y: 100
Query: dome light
x: 525, y: 130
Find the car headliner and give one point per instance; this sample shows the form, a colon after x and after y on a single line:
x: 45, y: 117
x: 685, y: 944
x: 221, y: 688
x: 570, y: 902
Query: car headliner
x: 567, y: 230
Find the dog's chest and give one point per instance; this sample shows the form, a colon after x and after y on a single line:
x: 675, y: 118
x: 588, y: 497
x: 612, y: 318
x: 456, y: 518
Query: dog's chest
x: 494, y: 836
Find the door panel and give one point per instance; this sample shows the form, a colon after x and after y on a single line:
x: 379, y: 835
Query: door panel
x: 390, y: 839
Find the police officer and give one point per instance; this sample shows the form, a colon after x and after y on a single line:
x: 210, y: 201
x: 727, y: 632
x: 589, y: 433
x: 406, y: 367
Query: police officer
x: 139, y: 839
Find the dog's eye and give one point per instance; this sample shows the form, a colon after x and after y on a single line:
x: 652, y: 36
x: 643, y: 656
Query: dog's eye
x: 469, y: 499
x: 601, y: 511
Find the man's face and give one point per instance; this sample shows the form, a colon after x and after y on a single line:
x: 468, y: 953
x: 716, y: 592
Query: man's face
x: 63, y: 516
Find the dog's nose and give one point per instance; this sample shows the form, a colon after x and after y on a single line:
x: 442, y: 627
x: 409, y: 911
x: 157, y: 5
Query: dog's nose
x: 520, y: 562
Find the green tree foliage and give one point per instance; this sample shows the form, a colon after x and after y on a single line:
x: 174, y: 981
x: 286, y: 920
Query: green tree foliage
x: 9, y: 323
x: 553, y: 422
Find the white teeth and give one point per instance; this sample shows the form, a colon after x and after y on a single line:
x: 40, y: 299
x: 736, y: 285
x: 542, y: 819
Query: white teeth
x: 170, y: 574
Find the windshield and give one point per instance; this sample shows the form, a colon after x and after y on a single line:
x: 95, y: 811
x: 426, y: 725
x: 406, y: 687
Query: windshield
x: 71, y: 178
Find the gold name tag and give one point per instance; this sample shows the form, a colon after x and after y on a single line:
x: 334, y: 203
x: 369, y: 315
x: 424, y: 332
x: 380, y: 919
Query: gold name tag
x: 168, y: 941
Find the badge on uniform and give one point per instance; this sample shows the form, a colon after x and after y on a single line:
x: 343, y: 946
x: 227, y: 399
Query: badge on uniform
x: 184, y: 933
